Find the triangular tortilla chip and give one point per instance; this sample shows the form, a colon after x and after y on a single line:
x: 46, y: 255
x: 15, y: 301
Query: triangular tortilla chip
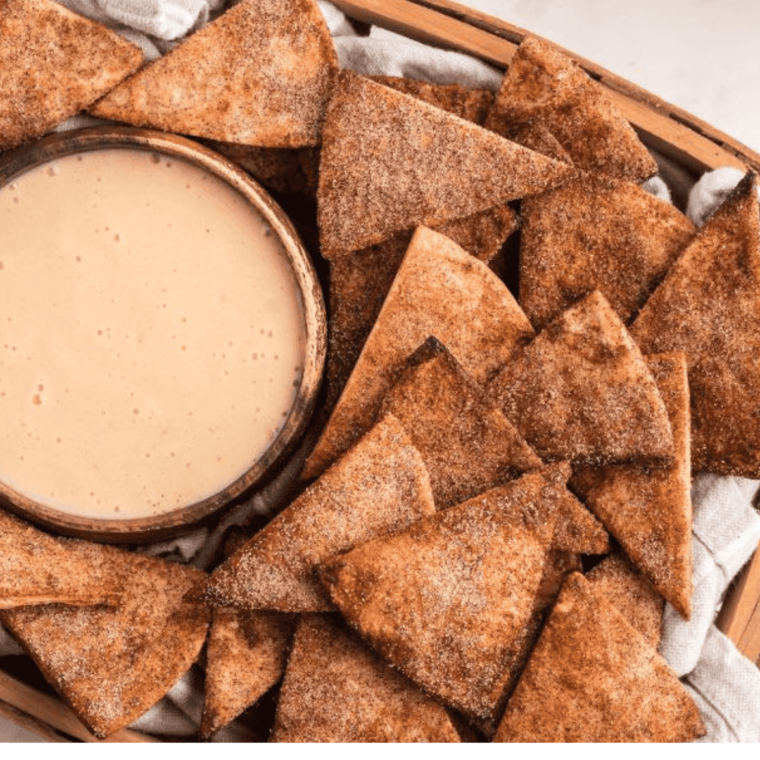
x: 558, y: 566
x: 439, y: 290
x: 290, y: 171
x: 391, y: 162
x: 36, y: 568
x: 709, y: 307
x: 111, y: 665
x: 581, y: 391
x: 596, y: 233
x: 467, y: 444
x: 466, y: 103
x: 260, y: 74
x: 380, y: 486
x: 531, y: 134
x: 545, y: 86
x: 649, y: 510
x: 592, y: 677
x: 632, y: 594
x: 337, y: 690
x: 360, y: 282
x: 53, y: 64
x: 445, y: 600
x: 577, y: 530
x: 245, y: 656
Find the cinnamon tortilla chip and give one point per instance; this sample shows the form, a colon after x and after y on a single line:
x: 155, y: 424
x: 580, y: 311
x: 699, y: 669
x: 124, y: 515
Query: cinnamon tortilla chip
x: 112, y: 665
x: 581, y: 391
x: 467, y: 444
x: 380, y: 486
x: 360, y: 282
x: 36, y: 568
x: 53, y: 64
x: 391, y: 162
x: 445, y: 600
x: 245, y: 657
x: 290, y: 171
x: 545, y: 86
x: 260, y: 74
x: 337, y: 690
x: 596, y: 233
x: 632, y: 594
x: 466, y: 103
x: 439, y: 290
x: 592, y: 677
x: 558, y: 566
x: 530, y: 134
x: 649, y: 510
x: 708, y: 306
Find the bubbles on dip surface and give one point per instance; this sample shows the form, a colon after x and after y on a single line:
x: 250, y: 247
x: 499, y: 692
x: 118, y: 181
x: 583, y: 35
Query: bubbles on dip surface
x: 143, y: 302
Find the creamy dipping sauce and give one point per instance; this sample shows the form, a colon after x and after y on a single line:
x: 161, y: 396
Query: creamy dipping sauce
x: 151, y: 334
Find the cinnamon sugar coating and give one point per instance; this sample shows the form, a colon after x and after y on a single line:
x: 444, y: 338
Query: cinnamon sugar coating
x: 360, y: 282
x: 465, y: 102
x: 581, y: 391
x: 649, y: 510
x: 545, y: 86
x: 446, y: 600
x: 708, y: 306
x: 439, y: 290
x: 37, y: 568
x: 596, y: 233
x: 290, y: 171
x: 337, y: 690
x: 380, y: 486
x: 260, y: 74
x: 467, y: 444
x: 112, y: 664
x: 632, y: 594
x: 592, y: 677
x: 53, y: 64
x: 391, y: 162
x: 246, y: 656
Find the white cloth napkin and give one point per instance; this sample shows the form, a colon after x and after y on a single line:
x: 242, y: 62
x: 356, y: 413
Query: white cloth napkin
x: 725, y: 685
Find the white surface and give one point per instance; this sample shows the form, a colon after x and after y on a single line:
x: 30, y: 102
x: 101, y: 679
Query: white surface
x: 698, y: 54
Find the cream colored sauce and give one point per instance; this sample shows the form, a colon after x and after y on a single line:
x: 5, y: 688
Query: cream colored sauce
x: 151, y: 334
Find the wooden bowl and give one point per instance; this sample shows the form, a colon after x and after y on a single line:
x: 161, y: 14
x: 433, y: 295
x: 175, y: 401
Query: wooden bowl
x: 171, y: 522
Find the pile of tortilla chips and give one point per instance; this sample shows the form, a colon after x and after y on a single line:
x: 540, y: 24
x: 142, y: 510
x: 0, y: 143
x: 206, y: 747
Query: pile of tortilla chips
x: 497, y: 507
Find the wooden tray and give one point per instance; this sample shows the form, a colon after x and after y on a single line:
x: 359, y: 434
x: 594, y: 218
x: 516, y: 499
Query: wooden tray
x: 689, y: 143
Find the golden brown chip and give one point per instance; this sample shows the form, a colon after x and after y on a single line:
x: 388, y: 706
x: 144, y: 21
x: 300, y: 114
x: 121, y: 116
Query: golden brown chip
x: 260, y: 74
x: 592, y: 677
x: 649, y: 510
x: 466, y: 103
x: 544, y: 86
x: 391, y: 162
x: 531, y: 134
x: 581, y: 391
x: 445, y: 600
x: 708, y: 306
x: 337, y: 690
x: 440, y: 290
x: 467, y: 444
x: 53, y: 64
x: 36, y: 568
x: 558, y: 566
x: 360, y: 281
x: 596, y: 233
x: 577, y: 530
x: 291, y: 171
x: 112, y: 664
x: 380, y: 486
x: 245, y: 656
x: 632, y: 594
